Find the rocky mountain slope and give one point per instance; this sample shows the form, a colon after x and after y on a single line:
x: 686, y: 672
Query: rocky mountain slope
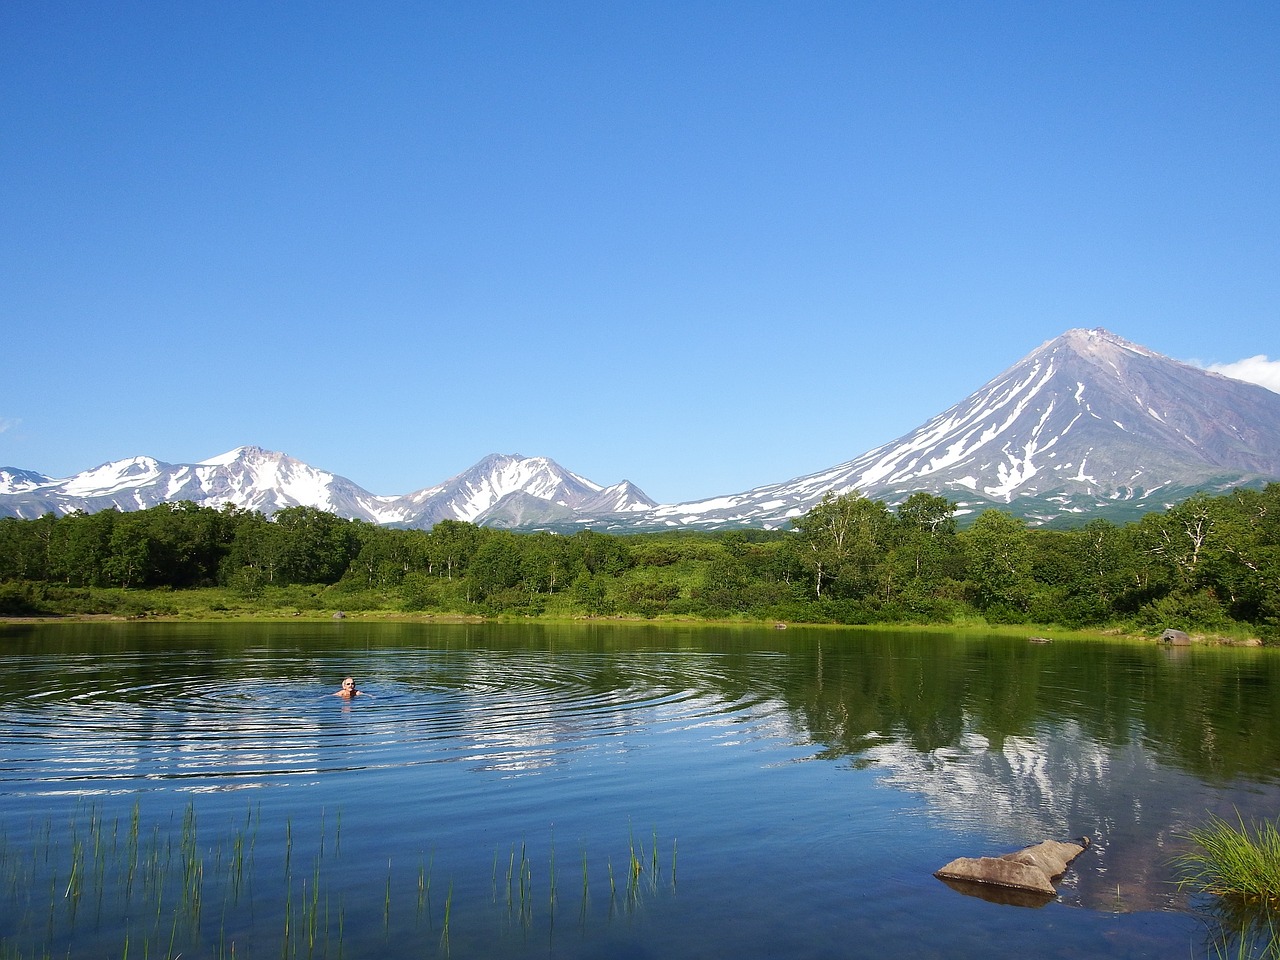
x: 1088, y: 423
x: 1085, y: 423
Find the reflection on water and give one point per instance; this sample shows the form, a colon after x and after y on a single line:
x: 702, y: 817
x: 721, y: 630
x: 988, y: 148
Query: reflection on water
x: 756, y: 746
x: 80, y: 723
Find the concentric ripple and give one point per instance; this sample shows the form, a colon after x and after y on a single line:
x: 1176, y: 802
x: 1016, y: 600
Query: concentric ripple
x: 124, y: 723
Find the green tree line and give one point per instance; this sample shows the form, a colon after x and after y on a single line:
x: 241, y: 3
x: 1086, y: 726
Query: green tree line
x: 1209, y: 562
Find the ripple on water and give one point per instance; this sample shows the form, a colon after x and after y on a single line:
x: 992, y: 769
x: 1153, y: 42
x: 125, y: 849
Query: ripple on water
x: 94, y: 725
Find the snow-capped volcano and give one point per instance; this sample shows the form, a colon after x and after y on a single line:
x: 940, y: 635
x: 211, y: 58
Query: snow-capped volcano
x: 1087, y: 418
x: 1085, y: 422
x: 255, y: 479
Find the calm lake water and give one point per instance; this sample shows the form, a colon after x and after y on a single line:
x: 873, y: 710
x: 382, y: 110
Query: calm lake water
x: 606, y: 790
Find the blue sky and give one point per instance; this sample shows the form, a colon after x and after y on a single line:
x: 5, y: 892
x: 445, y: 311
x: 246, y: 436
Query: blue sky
x: 700, y: 246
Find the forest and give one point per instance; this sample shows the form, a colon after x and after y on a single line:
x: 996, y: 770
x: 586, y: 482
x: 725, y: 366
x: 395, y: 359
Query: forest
x: 1210, y: 563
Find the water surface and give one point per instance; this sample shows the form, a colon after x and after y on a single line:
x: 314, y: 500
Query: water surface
x: 785, y: 793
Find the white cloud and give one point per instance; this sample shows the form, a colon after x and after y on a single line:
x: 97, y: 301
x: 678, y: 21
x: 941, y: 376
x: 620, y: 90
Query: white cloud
x: 1257, y: 370
x: 8, y: 423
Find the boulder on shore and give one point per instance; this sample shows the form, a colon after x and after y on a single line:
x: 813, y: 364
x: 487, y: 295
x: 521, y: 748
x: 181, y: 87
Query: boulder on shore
x: 1032, y: 868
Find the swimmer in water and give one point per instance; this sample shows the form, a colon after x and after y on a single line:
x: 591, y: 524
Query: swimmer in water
x: 348, y: 691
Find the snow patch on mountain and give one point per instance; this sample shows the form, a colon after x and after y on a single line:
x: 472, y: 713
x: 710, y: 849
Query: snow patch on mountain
x: 13, y: 480
x: 109, y: 478
x: 252, y: 478
x: 1030, y: 434
x: 1085, y: 419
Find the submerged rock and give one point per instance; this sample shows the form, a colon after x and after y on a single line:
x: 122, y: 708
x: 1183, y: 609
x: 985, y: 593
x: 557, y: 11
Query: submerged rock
x: 1032, y: 869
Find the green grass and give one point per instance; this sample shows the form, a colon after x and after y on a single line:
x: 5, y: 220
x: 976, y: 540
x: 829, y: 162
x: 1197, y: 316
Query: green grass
x: 1234, y: 860
x: 320, y: 602
x: 1238, y: 865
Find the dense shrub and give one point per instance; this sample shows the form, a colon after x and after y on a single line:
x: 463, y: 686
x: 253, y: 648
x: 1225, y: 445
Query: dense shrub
x: 1208, y: 563
x: 19, y: 600
x: 1184, y: 612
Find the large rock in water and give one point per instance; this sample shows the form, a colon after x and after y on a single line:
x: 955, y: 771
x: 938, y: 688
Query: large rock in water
x: 1032, y: 868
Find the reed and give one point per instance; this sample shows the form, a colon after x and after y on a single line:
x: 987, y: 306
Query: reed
x: 1234, y: 860
x: 173, y: 938
x: 552, y: 872
x: 192, y: 866
x: 424, y: 890
x: 634, y: 867
x: 386, y: 902
x: 524, y: 879
x: 72, y: 892
x: 237, y: 864
x: 313, y: 915
x: 167, y: 892
x: 1254, y: 938
x: 511, y: 866
x: 288, y: 921
x: 448, y: 912
x: 132, y: 850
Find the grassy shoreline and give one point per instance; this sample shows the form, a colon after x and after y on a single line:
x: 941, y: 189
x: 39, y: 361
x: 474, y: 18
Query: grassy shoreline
x: 216, y: 611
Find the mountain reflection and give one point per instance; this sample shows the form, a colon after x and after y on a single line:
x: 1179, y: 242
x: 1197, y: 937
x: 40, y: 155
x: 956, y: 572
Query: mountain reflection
x: 1121, y: 743
x: 1005, y: 741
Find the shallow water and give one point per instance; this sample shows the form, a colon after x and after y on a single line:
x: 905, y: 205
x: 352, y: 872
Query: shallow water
x: 784, y: 793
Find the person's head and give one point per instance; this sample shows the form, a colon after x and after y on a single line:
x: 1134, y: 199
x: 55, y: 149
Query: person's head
x: 349, y: 684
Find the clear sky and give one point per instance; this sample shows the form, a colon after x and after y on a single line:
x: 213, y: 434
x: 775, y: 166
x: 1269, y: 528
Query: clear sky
x: 699, y: 246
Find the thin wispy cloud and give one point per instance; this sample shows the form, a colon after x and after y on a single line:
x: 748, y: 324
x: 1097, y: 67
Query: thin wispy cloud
x: 8, y: 423
x: 1259, y: 370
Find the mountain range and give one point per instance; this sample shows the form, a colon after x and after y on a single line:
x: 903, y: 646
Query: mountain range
x: 500, y: 490
x: 1087, y: 424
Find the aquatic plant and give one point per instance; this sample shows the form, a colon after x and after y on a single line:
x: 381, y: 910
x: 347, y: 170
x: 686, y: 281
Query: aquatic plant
x: 1239, y: 866
x: 448, y: 910
x: 1234, y: 860
x: 164, y: 891
x: 1256, y: 938
x: 424, y: 889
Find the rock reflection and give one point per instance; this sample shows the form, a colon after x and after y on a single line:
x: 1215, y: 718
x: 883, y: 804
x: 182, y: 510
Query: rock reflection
x: 1016, y: 744
x: 1008, y: 742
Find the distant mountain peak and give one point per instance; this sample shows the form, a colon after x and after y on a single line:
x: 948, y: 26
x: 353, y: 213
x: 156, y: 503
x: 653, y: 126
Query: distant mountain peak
x: 241, y: 454
x: 255, y: 478
x: 1086, y: 420
x: 1098, y: 345
x: 1093, y: 340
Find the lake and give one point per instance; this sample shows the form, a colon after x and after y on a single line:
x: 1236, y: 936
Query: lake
x: 607, y: 789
